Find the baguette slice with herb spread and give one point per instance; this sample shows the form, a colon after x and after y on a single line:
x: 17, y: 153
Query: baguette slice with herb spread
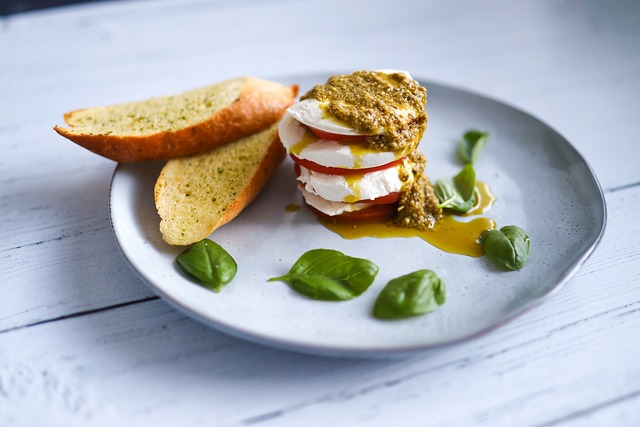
x: 180, y: 125
x: 197, y: 194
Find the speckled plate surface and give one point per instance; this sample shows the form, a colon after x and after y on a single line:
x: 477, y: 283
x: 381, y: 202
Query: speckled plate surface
x: 542, y: 185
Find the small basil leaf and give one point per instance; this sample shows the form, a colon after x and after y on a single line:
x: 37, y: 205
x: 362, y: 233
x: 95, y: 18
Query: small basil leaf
x: 457, y: 193
x: 329, y: 275
x: 413, y: 294
x: 209, y: 263
x: 508, y: 246
x: 472, y: 143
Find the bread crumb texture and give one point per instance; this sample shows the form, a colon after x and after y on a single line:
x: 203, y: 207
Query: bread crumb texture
x: 157, y: 114
x: 197, y: 194
x: 180, y: 125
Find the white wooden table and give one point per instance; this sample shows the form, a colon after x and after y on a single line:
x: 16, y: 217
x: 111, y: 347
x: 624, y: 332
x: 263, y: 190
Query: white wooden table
x: 83, y: 342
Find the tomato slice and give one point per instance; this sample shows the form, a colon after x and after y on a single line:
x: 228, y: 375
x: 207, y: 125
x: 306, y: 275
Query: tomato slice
x: 336, y: 136
x: 331, y: 170
x: 374, y: 213
x: 384, y: 200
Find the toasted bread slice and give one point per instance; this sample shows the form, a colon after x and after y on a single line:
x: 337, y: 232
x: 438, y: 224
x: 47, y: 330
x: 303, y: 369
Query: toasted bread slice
x: 197, y: 194
x: 180, y: 125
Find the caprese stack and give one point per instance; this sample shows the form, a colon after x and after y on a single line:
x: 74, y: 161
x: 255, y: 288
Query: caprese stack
x: 339, y: 173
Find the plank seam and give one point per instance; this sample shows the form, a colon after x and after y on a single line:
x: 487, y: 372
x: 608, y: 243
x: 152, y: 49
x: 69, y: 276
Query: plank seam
x: 622, y: 187
x: 458, y: 363
x: 591, y: 409
x: 81, y: 313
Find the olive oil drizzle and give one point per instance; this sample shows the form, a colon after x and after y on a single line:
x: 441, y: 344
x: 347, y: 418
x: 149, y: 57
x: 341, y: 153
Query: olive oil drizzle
x: 484, y: 199
x: 357, y: 151
x: 307, y: 139
x: 292, y: 207
x: 448, y: 234
x: 353, y: 183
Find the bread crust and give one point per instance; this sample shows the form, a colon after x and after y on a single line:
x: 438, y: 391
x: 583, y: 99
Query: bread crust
x: 258, y: 106
x: 274, y: 155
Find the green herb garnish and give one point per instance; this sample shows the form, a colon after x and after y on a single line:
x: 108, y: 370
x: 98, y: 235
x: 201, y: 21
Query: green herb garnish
x: 209, y: 263
x: 458, y: 193
x: 508, y: 246
x: 329, y: 275
x: 413, y: 294
x: 472, y: 143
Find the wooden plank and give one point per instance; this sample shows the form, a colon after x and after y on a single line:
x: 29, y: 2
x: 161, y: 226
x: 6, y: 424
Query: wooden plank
x: 61, y: 207
x: 128, y: 58
x: 103, y: 350
x: 572, y: 356
x: 58, y: 252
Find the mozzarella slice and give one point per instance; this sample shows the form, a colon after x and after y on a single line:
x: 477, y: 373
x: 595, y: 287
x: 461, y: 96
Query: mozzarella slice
x: 351, y: 188
x: 389, y: 71
x: 328, y: 207
x: 311, y: 113
x: 300, y: 142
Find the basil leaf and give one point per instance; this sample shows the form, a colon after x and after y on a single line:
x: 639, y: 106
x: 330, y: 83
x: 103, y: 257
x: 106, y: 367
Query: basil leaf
x: 508, y: 246
x: 472, y: 143
x: 209, y: 263
x: 329, y: 275
x: 413, y: 294
x: 458, y: 193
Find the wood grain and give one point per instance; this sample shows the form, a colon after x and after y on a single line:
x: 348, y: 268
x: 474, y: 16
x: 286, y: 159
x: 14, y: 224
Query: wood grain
x: 84, y: 342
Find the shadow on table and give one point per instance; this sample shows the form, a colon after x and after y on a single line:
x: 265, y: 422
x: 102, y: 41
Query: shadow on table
x: 11, y: 7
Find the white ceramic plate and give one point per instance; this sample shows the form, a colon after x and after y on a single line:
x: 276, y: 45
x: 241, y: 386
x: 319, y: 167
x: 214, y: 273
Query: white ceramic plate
x: 542, y: 184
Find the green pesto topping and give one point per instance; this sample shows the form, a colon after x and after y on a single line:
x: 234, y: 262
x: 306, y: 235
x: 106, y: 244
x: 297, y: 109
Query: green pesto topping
x: 418, y: 206
x: 390, y: 106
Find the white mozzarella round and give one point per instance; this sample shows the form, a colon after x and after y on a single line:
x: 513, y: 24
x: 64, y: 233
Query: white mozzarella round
x: 329, y: 207
x: 339, y: 188
x: 311, y: 113
x: 300, y: 142
x: 389, y: 71
x: 293, y: 134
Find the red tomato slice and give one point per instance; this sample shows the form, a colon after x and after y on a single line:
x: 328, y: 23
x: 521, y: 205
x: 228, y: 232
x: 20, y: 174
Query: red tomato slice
x: 330, y: 170
x: 374, y: 213
x: 384, y: 200
x: 336, y: 136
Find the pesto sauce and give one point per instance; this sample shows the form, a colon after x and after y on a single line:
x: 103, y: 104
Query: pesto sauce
x: 418, y: 206
x: 390, y: 106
